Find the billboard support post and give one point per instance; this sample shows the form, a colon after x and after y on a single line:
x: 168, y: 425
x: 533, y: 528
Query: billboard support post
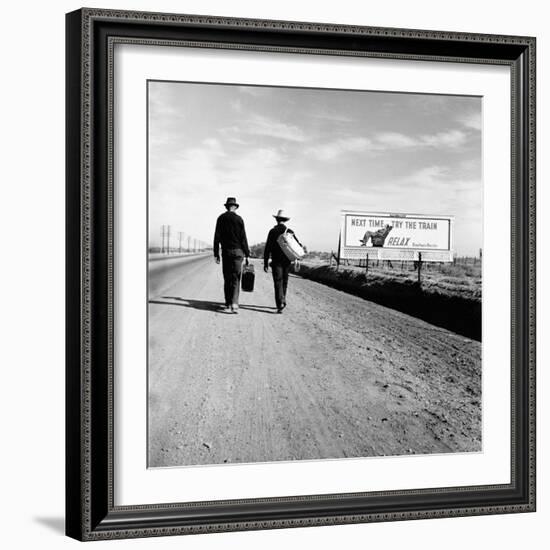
x: 419, y: 267
x: 338, y: 258
x: 367, y: 266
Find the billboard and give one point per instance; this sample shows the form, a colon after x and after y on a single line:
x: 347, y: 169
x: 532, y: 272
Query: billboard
x: 391, y: 236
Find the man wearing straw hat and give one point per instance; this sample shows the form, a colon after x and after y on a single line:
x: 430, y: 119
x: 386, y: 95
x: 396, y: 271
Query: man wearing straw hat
x: 280, y: 264
x: 231, y: 236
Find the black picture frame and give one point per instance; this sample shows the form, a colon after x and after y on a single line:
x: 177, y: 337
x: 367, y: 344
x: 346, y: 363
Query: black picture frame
x: 90, y: 510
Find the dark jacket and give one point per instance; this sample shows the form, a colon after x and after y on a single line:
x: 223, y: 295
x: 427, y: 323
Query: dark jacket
x: 272, y: 246
x: 230, y: 234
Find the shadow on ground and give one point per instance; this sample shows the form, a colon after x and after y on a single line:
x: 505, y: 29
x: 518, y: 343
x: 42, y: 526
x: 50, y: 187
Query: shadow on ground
x: 205, y: 305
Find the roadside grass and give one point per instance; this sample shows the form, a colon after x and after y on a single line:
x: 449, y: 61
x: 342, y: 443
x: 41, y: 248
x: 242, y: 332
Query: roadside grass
x: 456, y: 280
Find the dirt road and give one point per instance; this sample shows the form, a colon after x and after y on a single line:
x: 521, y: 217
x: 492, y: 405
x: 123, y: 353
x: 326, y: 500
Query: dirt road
x: 333, y: 376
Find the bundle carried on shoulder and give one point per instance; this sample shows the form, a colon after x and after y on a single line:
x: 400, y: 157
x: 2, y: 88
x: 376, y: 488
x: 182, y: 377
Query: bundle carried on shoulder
x: 292, y: 249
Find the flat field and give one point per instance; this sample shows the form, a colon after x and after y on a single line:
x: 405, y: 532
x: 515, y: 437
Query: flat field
x: 460, y: 279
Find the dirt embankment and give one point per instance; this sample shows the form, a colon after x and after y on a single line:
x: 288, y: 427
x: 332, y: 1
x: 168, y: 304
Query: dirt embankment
x: 449, y: 303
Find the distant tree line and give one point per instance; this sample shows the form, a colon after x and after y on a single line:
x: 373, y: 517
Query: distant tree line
x: 318, y: 255
x: 257, y: 250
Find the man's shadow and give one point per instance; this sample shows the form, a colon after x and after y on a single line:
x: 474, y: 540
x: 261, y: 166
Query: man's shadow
x: 205, y: 305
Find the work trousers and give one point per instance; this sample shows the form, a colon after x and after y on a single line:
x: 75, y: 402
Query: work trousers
x: 280, y: 283
x: 232, y: 262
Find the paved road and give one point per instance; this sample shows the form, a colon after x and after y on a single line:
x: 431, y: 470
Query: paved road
x: 334, y: 376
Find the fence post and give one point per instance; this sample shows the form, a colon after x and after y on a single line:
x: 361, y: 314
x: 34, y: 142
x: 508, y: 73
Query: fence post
x: 419, y: 266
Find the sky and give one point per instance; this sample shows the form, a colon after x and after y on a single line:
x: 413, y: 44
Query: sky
x: 313, y: 153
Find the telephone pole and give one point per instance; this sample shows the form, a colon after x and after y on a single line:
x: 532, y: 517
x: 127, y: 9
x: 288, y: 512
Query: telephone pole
x: 180, y: 236
x: 168, y: 239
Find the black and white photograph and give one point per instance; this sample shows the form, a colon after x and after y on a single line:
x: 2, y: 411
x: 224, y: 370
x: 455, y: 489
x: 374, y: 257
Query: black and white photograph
x: 315, y: 263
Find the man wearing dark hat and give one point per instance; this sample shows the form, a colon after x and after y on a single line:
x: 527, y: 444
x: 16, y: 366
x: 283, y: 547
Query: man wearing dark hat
x: 231, y: 236
x: 280, y: 264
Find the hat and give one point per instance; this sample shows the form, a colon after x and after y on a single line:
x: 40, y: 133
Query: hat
x: 281, y: 216
x: 231, y: 201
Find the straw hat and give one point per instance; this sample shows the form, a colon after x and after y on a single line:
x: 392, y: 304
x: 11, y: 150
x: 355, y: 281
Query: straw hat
x: 281, y: 216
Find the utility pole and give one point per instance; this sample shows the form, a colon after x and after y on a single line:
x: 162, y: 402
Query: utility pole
x: 180, y: 236
x: 162, y: 232
x: 168, y: 239
x: 194, y: 245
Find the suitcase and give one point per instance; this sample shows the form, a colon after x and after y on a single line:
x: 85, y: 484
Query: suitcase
x: 247, y: 280
x: 290, y: 246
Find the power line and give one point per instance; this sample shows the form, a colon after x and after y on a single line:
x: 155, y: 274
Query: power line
x: 193, y: 244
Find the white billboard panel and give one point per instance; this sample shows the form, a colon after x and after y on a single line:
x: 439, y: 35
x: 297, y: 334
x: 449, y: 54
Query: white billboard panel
x: 396, y: 236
